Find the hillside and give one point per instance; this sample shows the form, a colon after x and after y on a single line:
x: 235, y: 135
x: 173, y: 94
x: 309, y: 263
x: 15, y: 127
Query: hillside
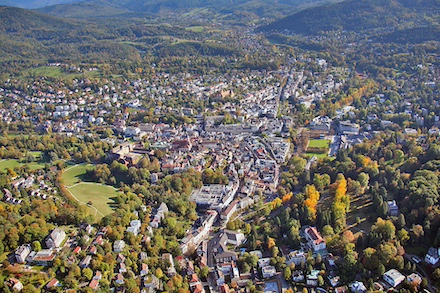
x: 33, y: 4
x: 108, y: 8
x: 362, y: 16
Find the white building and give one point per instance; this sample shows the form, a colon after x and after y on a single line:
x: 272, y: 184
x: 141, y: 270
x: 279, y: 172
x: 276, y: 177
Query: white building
x: 118, y: 246
x: 268, y: 272
x: 433, y: 256
x: 56, y: 238
x: 296, y: 257
x: 22, y: 252
x: 393, y: 277
x: 315, y: 239
x: 135, y: 227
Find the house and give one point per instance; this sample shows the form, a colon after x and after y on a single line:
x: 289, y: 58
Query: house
x: 297, y: 257
x: 268, y: 272
x: 312, y: 278
x: 195, y: 285
x: 152, y: 283
x: 56, y: 238
x: 22, y: 252
x: 358, y: 287
x: 415, y: 279
x: 297, y: 276
x: 144, y: 270
x: 233, y: 237
x: 393, y: 209
x: 97, y: 276
x: 14, y: 284
x: 77, y: 250
x: 135, y: 227
x: 229, y: 211
x: 122, y: 268
x: 433, y: 256
x: 393, y: 277
x: 119, y: 279
x: 167, y: 260
x: 118, y: 246
x: 341, y: 289
x: 120, y: 258
x: 94, y: 284
x: 44, y: 257
x: 53, y: 283
x: 85, y: 263
x: 315, y: 239
x: 263, y: 262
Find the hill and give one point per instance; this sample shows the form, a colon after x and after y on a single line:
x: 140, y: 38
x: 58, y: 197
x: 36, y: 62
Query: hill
x: 33, y: 4
x: 108, y: 8
x: 386, y: 16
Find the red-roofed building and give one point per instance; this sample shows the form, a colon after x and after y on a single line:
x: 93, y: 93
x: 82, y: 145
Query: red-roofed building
x: 315, y: 239
x: 94, y: 284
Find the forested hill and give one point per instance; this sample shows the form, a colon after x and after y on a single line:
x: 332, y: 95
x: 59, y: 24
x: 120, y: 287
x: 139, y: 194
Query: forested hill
x: 106, y: 8
x: 362, y: 15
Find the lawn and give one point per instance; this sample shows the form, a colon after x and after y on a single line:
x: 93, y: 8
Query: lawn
x: 5, y: 164
x: 319, y: 143
x: 319, y: 156
x: 416, y: 249
x: 57, y: 72
x: 75, y: 174
x: 101, y: 196
x: 196, y: 29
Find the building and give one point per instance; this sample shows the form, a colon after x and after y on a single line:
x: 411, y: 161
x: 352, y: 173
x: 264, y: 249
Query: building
x: 296, y: 257
x: 135, y: 227
x: 52, y: 284
x: 315, y: 239
x: 214, y: 196
x: 22, y: 252
x: 415, y: 279
x: 346, y: 127
x: 393, y: 209
x: 168, y: 261
x: 393, y: 277
x: 14, y: 284
x: 152, y: 283
x: 358, y: 287
x: 268, y: 272
x: 56, y: 238
x: 118, y: 246
x: 433, y: 256
x: 312, y: 278
x: 94, y: 284
x: 44, y: 257
x: 229, y: 211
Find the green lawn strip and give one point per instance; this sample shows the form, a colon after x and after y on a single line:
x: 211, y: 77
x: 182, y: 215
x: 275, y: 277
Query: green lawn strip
x: 5, y: 164
x: 416, y: 249
x: 72, y: 175
x: 100, y: 196
x: 319, y: 143
x: 319, y: 156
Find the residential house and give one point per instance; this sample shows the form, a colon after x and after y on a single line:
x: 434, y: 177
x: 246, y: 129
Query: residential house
x: 152, y: 283
x: 144, y: 270
x: 229, y: 211
x: 94, y: 284
x: 358, y: 287
x: 268, y: 272
x: 119, y: 279
x: 195, y: 285
x: 52, y: 284
x: 297, y: 276
x: 393, y: 277
x: 314, y: 238
x: 56, y: 238
x: 22, y: 252
x: 43, y: 257
x: 224, y: 288
x: 118, y: 246
x: 296, y: 257
x: 14, y: 284
x: 168, y: 261
x: 414, y: 279
x: 393, y: 209
x: 312, y: 278
x: 433, y: 256
x: 85, y: 263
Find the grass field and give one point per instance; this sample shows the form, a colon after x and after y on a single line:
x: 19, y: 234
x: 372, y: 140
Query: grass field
x: 56, y: 72
x: 75, y: 174
x: 319, y: 143
x: 196, y: 29
x: 101, y: 196
x: 5, y: 164
x: 319, y: 156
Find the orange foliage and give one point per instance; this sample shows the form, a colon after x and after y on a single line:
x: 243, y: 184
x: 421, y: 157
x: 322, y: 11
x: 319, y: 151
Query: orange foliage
x: 312, y: 198
x: 287, y: 197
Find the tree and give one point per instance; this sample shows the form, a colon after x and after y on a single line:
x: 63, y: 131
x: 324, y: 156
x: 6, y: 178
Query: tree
x: 287, y: 273
x: 87, y: 273
x: 385, y: 228
x: 36, y: 246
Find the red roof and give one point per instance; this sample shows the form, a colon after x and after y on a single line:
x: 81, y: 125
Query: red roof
x: 94, y: 284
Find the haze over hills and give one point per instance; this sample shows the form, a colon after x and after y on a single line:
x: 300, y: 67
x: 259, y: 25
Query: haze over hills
x: 392, y: 17
x: 106, y: 8
x: 33, y: 4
